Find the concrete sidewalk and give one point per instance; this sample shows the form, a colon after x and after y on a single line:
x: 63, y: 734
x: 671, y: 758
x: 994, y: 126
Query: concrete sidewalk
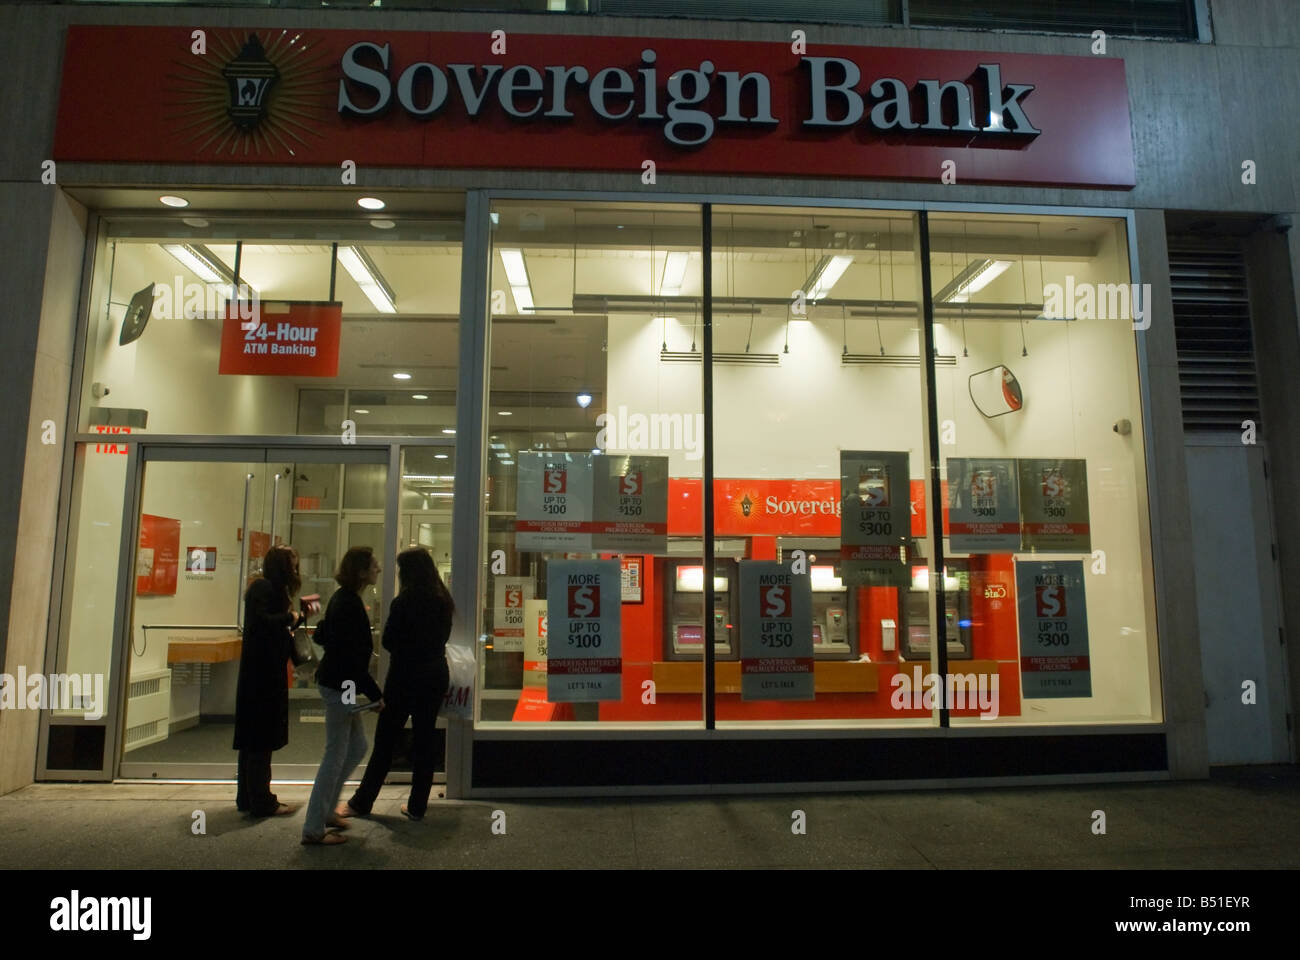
x: 1244, y: 818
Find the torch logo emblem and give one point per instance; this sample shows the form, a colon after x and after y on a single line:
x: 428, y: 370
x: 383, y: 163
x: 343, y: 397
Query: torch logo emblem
x: 257, y: 96
x: 249, y: 77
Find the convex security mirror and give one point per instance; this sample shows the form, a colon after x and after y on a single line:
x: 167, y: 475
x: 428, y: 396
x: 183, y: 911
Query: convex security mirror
x: 137, y: 315
x: 995, y: 392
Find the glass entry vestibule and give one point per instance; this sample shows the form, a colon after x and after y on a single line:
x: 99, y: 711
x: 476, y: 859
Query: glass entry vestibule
x: 195, y: 520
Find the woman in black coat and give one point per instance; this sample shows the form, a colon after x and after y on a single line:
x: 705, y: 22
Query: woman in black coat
x: 262, y: 696
x: 415, y: 634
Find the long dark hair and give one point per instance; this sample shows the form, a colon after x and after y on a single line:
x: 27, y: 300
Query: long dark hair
x: 418, y: 572
x: 353, y: 568
x: 280, y: 566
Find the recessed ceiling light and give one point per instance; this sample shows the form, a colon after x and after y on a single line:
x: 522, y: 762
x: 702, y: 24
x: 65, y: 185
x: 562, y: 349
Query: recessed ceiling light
x: 360, y: 410
x: 440, y: 456
x: 401, y: 376
x: 419, y: 396
x: 196, y: 222
x: 449, y: 431
x: 383, y: 224
x: 505, y: 413
x: 584, y: 400
x: 171, y: 201
x: 370, y: 203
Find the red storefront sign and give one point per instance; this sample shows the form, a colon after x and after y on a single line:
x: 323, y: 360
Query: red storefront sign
x: 464, y: 100
x: 770, y: 508
x: 282, y: 340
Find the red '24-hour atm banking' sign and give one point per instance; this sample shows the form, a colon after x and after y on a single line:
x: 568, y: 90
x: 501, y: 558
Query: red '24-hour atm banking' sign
x: 464, y: 100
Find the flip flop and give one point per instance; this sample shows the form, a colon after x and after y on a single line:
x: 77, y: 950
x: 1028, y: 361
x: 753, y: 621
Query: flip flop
x: 329, y: 840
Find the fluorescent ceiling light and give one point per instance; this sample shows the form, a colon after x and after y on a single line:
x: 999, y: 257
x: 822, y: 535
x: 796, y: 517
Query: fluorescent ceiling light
x: 517, y: 277
x: 826, y: 274
x: 674, y: 273
x: 401, y: 376
x: 419, y: 396
x: 370, y: 203
x: 440, y: 456
x: 201, y: 261
x: 497, y: 446
x: 977, y: 275
x: 505, y: 413
x: 367, y: 276
x: 360, y: 410
x: 448, y: 430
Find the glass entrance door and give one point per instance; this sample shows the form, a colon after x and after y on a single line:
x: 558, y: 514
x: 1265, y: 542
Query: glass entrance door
x: 205, y: 520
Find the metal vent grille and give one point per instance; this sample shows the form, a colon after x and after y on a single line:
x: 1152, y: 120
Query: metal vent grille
x: 1216, y: 355
x: 143, y: 688
x: 141, y: 731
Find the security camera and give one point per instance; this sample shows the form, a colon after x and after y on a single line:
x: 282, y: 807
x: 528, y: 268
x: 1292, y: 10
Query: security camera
x: 1123, y: 427
x: 98, y: 390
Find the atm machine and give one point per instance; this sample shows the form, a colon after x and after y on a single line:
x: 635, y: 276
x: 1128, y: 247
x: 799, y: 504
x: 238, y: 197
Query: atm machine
x: 914, y: 612
x: 684, y: 600
x: 834, y: 618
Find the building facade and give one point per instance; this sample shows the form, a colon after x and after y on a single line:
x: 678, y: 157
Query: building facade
x: 956, y: 354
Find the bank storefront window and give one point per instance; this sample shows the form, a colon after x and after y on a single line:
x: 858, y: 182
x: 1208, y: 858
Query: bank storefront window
x: 354, y: 324
x: 1042, y: 460
x: 817, y: 377
x: 896, y: 534
x: 352, y: 336
x: 594, y: 465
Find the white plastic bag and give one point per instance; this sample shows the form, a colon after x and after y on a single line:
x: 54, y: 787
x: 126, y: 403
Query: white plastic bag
x: 459, y: 701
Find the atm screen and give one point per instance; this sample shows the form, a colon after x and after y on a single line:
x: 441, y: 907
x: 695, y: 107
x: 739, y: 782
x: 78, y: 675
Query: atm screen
x: 690, y: 636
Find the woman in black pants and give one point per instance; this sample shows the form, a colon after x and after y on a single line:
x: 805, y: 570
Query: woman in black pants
x: 416, y: 637
x: 262, y: 694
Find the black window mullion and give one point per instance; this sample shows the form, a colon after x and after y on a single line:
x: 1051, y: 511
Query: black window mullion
x: 710, y: 697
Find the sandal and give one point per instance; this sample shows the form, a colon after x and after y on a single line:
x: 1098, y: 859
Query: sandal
x: 284, y: 809
x: 409, y: 815
x: 328, y: 840
x: 345, y: 811
x: 338, y: 823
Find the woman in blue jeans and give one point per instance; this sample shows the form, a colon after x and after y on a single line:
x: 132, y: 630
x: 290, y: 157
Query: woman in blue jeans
x: 343, y: 673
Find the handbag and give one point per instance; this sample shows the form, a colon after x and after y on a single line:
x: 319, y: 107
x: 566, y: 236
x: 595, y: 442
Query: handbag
x: 461, y: 669
x: 304, y: 650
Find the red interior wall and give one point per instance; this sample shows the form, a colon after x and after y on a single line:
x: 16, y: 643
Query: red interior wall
x: 993, y: 616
